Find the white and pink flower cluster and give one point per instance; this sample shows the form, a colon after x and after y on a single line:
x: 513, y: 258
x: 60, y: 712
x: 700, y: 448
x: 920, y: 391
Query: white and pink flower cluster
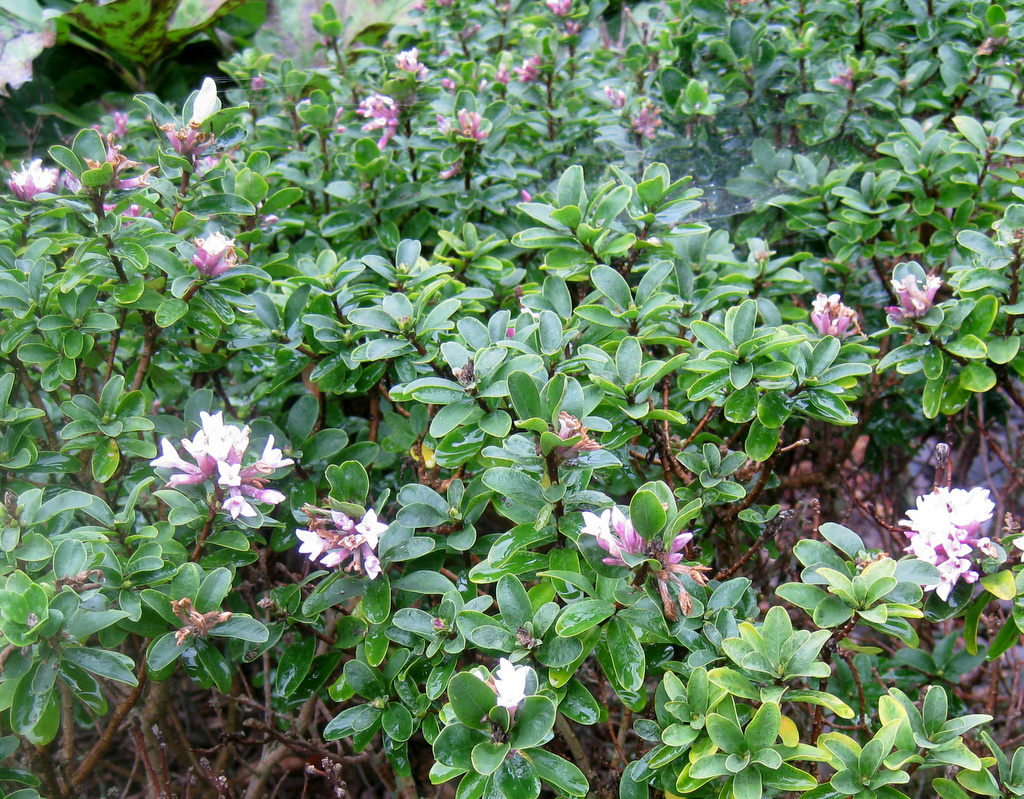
x: 32, y: 180
x: 943, y: 531
x: 831, y: 317
x: 382, y: 111
x: 914, y: 299
x: 616, y: 535
x: 218, y: 450
x: 409, y: 61
x: 333, y: 537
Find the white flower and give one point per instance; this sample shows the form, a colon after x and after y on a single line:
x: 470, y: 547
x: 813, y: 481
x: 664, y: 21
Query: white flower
x: 510, y: 683
x: 370, y: 528
x: 312, y: 543
x: 271, y: 458
x: 237, y: 506
x: 206, y: 103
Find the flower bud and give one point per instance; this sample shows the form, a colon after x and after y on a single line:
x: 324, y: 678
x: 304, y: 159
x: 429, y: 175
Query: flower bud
x: 206, y: 103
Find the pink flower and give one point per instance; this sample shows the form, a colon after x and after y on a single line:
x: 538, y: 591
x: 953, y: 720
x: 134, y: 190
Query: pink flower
x: 120, y: 124
x: 333, y: 538
x: 844, y: 80
x: 831, y: 317
x: 559, y: 7
x: 33, y: 180
x: 529, y: 71
x: 647, y: 122
x: 615, y: 534
x: 218, y: 450
x: 943, y: 531
x: 215, y: 255
x: 616, y: 97
x: 470, y: 125
x: 382, y: 111
x: 914, y: 302
x: 502, y: 76
x: 452, y: 171
x: 448, y: 84
x: 409, y: 61
x: 258, y: 83
x: 527, y: 197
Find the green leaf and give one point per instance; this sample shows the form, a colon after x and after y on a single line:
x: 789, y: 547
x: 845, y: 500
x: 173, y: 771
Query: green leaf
x: 842, y: 538
x: 102, y: 662
x: 710, y: 336
x: 170, y: 311
x: 977, y: 378
x: 533, y: 722
x: 968, y: 346
x: 627, y: 656
x: 582, y: 615
x: 725, y: 733
x: 579, y: 704
x: 516, y: 778
x: 349, y: 482
x: 487, y: 756
x: 513, y: 602
x: 365, y: 681
x: 377, y: 600
x: 1000, y: 584
x: 763, y: 728
x: 163, y: 651
x: 351, y: 721
x: 472, y: 700
x: 294, y: 665
x: 647, y: 514
x: 397, y: 722
x: 243, y: 628
x: 773, y: 409
x: 560, y: 774
x: 612, y: 285
x: 570, y: 189
x: 424, y: 582
x: 628, y: 360
x: 761, y: 441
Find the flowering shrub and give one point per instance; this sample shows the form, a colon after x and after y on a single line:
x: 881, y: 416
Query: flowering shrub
x: 416, y: 421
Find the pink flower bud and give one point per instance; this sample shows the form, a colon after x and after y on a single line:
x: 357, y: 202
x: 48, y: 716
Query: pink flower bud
x: 529, y: 71
x: 647, y: 122
x: 120, y: 124
x: 617, y: 97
